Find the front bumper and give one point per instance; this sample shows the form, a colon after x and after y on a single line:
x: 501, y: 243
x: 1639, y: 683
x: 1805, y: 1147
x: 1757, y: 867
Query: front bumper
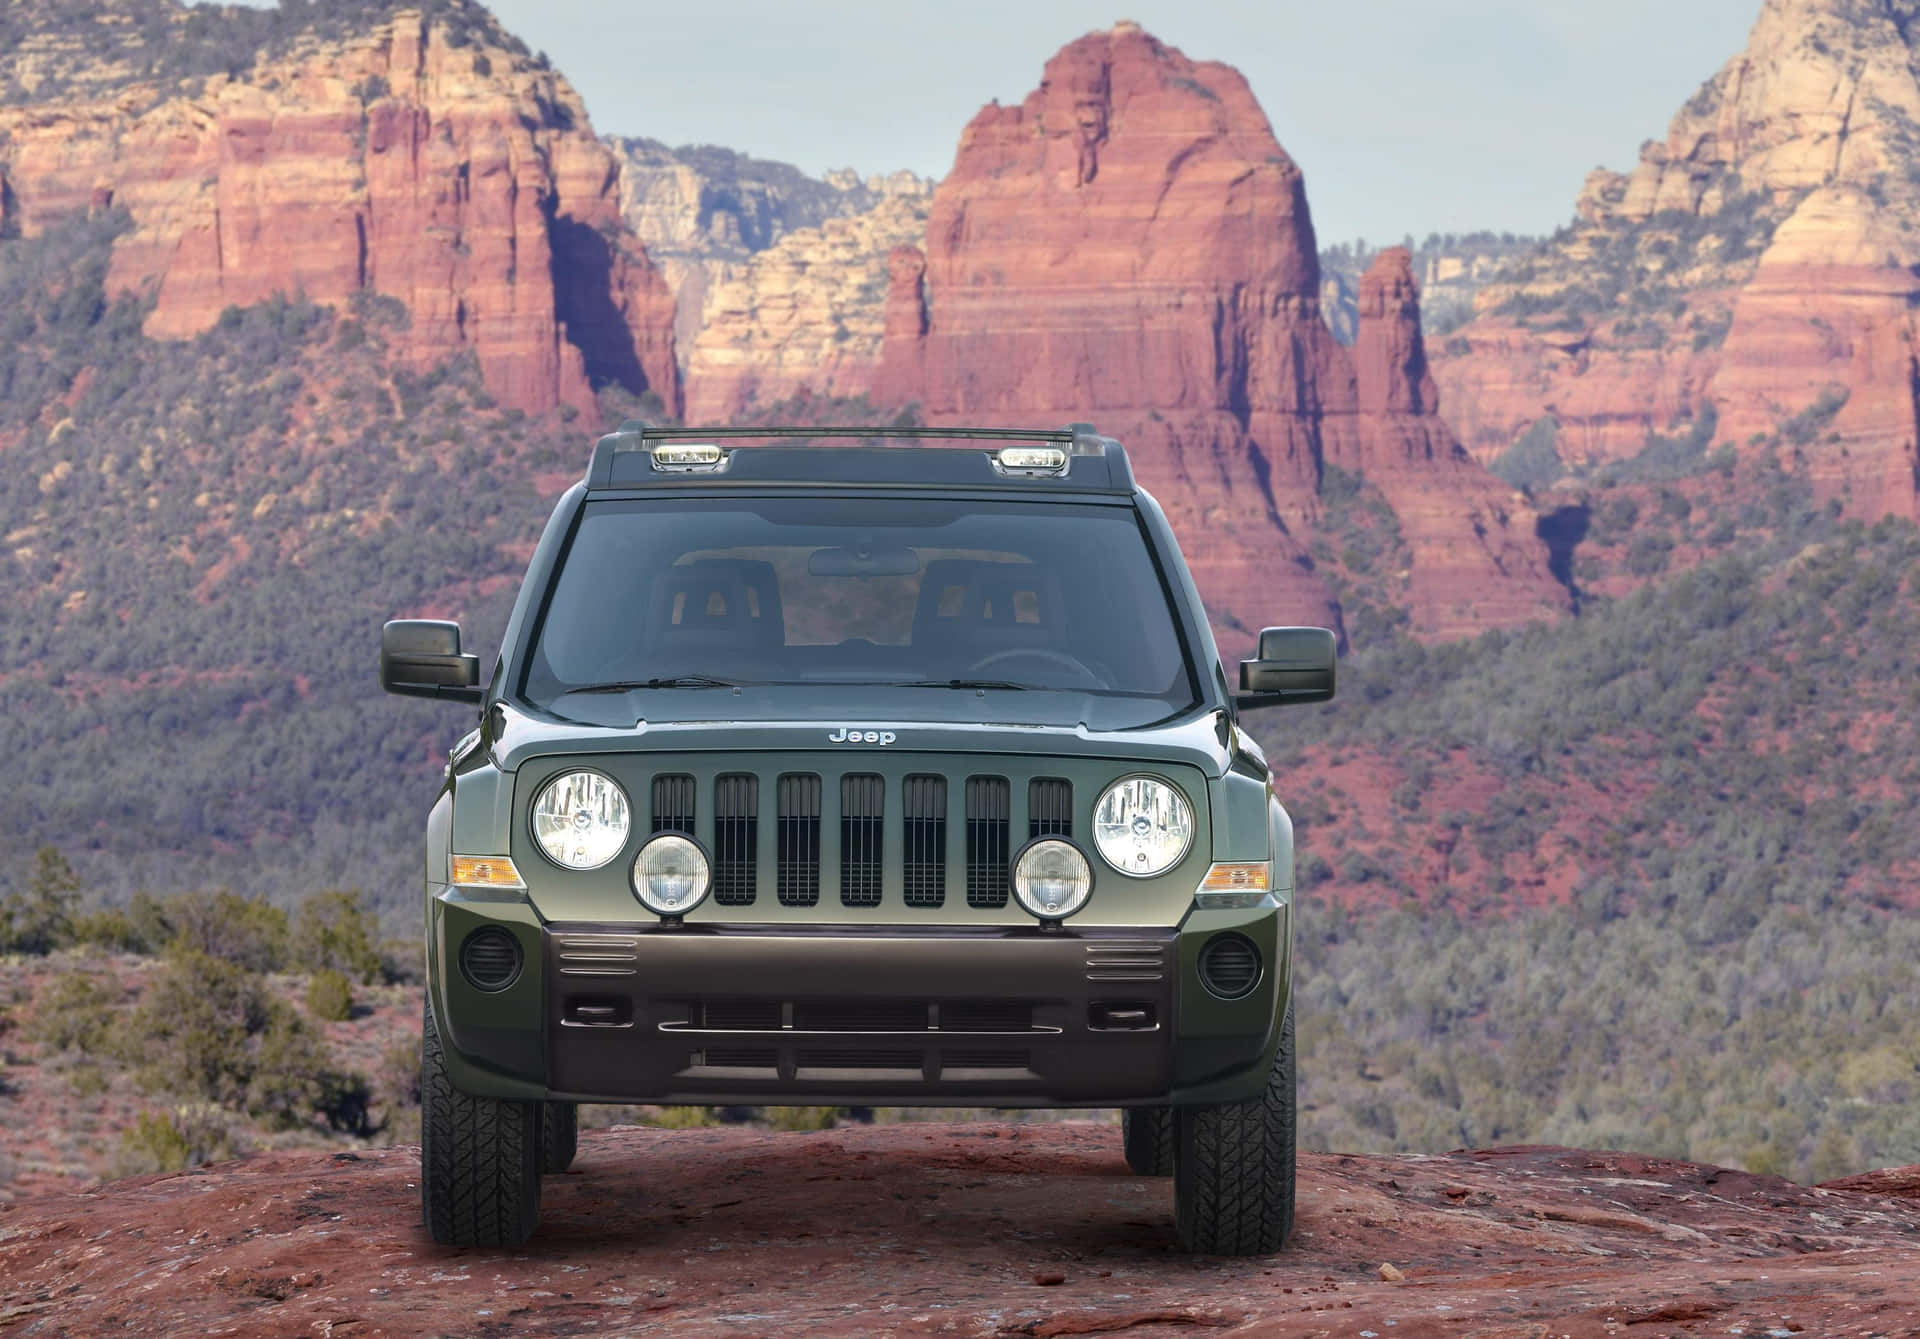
x: 842, y: 1015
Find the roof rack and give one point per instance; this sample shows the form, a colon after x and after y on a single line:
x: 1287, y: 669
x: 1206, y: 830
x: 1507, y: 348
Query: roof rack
x: 787, y: 464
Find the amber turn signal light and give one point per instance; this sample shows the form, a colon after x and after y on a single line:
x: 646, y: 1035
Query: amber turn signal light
x: 485, y: 871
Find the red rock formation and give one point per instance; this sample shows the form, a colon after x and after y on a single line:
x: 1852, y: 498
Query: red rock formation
x: 1781, y: 210
x: 1130, y: 245
x: 681, y: 1230
x: 1477, y: 562
x: 462, y: 180
x: 900, y: 377
x: 1828, y: 315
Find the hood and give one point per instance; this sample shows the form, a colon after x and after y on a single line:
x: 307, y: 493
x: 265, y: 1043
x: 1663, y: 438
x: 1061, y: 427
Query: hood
x: 955, y: 721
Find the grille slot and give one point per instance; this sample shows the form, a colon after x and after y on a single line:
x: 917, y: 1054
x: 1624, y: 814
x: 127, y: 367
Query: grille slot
x: 986, y: 1016
x: 673, y: 804
x: 952, y: 1060
x: 924, y: 834
x: 859, y: 1016
x: 987, y: 840
x: 865, y: 1057
x: 797, y: 877
x: 1049, y: 807
x: 736, y: 1015
x: 736, y: 836
x: 862, y: 801
x: 735, y: 1057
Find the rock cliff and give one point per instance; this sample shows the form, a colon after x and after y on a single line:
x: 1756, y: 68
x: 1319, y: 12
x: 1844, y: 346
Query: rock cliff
x: 806, y: 314
x: 1756, y: 260
x: 421, y: 156
x: 991, y: 1230
x: 704, y: 212
x: 1131, y: 245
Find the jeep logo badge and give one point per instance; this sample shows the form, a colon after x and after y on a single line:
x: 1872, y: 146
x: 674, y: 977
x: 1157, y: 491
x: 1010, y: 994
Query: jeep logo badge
x: 845, y: 736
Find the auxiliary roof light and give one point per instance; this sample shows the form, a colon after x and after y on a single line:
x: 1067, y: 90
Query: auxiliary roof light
x: 1031, y: 459
x: 688, y: 456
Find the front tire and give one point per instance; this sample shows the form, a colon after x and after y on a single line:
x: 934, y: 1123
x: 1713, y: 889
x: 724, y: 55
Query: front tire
x: 1233, y: 1167
x: 479, y: 1157
x: 1147, y: 1135
x: 559, y: 1136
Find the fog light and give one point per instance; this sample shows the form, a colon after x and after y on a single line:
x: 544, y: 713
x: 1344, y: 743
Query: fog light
x: 1052, y: 878
x: 671, y: 875
x: 1230, y: 966
x: 490, y: 959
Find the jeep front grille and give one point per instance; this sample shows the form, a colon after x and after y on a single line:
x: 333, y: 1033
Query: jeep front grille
x: 736, y: 838
x: 987, y: 841
x: 867, y: 842
x: 925, y: 831
x: 673, y: 804
x: 862, y: 805
x: 797, y: 824
x: 1049, y: 807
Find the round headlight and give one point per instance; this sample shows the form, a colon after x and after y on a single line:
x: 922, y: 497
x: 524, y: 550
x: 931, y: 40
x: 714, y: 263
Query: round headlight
x: 1142, y: 825
x: 671, y: 874
x: 1052, y: 879
x: 580, y: 820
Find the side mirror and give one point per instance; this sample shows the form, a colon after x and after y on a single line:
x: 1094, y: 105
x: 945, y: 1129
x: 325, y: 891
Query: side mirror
x: 420, y: 657
x: 1293, y: 665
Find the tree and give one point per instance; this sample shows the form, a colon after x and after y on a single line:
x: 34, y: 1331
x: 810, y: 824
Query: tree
x: 334, y: 931
x: 41, y: 919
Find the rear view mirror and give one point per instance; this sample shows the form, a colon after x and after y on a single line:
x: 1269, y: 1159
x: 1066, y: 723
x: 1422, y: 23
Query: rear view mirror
x: 1292, y: 665
x: 876, y: 561
x: 420, y: 657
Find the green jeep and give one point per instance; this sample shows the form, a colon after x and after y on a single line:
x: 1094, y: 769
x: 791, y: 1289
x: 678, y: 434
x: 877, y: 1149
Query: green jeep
x: 832, y: 770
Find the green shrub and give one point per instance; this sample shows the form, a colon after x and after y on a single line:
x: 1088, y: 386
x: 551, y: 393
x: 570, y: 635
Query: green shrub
x: 333, y: 931
x: 77, y: 1011
x: 800, y: 1118
x: 330, y: 996
x: 248, y: 932
x: 176, y: 1139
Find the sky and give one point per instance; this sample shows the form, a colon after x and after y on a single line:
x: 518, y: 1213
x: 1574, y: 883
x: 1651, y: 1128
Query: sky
x: 1407, y: 116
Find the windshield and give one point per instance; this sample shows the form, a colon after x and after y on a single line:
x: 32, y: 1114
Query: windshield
x: 924, y: 594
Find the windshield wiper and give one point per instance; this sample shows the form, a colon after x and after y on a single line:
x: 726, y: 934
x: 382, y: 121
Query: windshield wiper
x: 676, y: 681
x: 960, y: 683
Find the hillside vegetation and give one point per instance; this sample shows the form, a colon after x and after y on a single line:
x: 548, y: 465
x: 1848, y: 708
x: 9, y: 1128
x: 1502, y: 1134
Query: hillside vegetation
x: 199, y: 541
x: 1643, y: 879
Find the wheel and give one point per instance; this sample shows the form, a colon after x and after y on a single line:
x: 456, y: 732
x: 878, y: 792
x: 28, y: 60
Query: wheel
x: 559, y: 1136
x: 1147, y: 1135
x: 1233, y: 1167
x: 479, y: 1158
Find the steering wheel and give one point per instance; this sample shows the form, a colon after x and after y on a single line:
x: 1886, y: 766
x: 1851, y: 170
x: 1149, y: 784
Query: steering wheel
x: 1058, y: 658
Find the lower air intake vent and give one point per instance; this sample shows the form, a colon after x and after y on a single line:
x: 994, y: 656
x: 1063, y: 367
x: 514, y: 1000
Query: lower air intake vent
x: 490, y: 959
x: 1230, y: 966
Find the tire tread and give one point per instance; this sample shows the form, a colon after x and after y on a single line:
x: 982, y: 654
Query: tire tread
x: 479, y: 1157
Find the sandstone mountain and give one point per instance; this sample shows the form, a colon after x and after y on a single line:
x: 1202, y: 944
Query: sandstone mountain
x: 1131, y: 244
x: 1753, y: 274
x: 704, y: 212
x: 419, y: 155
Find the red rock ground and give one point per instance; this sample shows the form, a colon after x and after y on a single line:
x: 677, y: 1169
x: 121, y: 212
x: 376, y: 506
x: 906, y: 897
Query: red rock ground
x: 967, y: 1230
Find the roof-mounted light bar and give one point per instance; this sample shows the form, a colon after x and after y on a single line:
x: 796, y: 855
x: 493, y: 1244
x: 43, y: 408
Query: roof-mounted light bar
x: 1031, y: 460
x: 689, y: 456
x: 1010, y: 453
